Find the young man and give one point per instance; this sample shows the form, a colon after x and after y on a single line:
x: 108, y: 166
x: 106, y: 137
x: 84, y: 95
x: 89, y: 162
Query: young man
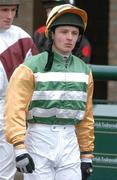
x: 83, y: 49
x: 15, y: 46
x: 53, y: 96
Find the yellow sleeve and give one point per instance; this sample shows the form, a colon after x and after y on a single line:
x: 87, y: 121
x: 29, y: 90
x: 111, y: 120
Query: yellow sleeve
x: 18, y: 97
x: 85, y: 129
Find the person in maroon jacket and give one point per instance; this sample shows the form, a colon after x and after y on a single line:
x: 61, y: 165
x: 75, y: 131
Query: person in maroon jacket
x: 15, y: 46
x: 83, y: 49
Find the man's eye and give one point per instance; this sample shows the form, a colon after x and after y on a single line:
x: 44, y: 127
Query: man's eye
x: 64, y: 32
x: 4, y: 9
x: 14, y: 9
x: 75, y: 33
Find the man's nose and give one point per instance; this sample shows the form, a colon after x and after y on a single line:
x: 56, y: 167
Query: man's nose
x: 9, y: 15
x: 70, y: 35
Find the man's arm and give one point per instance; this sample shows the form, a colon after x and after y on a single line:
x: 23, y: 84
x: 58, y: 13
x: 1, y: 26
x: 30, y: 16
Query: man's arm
x: 85, y: 134
x: 17, y: 100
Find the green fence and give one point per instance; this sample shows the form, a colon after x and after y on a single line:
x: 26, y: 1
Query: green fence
x: 101, y: 72
x: 105, y: 115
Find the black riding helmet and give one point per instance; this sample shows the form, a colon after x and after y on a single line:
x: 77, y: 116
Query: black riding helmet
x: 66, y: 14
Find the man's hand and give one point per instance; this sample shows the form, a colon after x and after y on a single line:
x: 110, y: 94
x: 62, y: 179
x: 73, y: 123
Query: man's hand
x: 86, y: 169
x: 24, y: 162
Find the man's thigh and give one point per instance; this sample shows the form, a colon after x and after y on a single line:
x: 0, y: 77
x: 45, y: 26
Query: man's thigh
x: 7, y: 161
x: 70, y: 172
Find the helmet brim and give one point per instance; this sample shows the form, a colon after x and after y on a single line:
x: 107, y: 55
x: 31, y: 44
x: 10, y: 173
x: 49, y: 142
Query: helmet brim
x: 77, y: 11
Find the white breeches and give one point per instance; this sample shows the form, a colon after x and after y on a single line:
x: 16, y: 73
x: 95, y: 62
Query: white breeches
x: 55, y: 151
x: 7, y: 160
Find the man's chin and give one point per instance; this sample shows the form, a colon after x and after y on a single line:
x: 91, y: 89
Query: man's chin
x: 6, y: 27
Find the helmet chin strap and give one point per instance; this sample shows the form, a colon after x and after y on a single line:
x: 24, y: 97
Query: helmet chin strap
x: 48, y: 66
x: 49, y: 61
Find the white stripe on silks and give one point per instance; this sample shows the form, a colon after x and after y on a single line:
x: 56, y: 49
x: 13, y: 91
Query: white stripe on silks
x: 60, y: 95
x: 60, y: 113
x: 61, y: 77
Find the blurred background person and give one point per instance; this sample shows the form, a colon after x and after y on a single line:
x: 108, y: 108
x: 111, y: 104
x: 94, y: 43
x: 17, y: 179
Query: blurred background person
x: 15, y: 45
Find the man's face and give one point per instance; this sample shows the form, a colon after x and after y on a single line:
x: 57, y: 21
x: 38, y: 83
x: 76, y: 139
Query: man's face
x: 64, y: 39
x: 7, y: 14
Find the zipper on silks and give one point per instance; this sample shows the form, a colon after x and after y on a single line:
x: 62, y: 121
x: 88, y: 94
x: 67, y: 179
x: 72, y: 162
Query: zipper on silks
x: 66, y: 61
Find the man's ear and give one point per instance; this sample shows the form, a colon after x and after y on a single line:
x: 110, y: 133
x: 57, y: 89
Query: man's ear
x: 79, y: 38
